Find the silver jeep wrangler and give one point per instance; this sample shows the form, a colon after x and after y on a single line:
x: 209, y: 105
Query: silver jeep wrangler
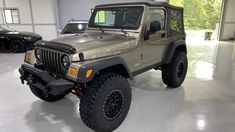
x: 122, y: 40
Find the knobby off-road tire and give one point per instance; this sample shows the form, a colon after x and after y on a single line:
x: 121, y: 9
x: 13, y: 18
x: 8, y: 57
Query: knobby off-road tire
x: 173, y: 74
x: 46, y: 96
x: 105, y: 102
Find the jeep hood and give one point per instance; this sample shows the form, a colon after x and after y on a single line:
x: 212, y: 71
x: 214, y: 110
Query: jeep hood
x: 92, y: 40
x: 92, y: 44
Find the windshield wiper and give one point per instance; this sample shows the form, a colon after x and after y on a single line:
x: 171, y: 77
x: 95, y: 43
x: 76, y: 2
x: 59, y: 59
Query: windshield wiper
x: 122, y: 29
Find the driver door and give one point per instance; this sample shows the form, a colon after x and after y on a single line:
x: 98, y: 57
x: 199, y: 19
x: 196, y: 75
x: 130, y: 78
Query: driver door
x: 153, y: 46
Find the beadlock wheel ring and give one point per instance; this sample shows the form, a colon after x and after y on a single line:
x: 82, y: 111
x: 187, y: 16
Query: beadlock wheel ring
x: 113, y: 105
x: 180, y: 69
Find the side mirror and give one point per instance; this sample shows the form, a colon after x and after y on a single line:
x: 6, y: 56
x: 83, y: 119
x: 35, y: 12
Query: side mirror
x: 155, y: 26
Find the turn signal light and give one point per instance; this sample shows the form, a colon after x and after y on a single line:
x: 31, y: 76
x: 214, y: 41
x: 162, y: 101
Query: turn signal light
x: 73, y: 71
x: 28, y: 57
x: 88, y: 73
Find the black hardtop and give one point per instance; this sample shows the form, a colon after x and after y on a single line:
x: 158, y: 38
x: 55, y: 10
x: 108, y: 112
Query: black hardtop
x: 154, y: 4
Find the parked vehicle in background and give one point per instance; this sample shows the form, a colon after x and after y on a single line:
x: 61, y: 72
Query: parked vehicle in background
x: 122, y: 40
x: 74, y: 27
x: 17, y: 41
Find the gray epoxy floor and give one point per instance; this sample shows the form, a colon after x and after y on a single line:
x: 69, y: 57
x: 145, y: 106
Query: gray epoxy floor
x: 205, y: 102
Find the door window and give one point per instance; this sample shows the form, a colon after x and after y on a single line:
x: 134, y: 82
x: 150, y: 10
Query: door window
x: 158, y: 15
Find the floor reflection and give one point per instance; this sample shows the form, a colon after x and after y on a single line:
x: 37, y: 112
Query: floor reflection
x: 205, y: 102
x: 211, y: 60
x: 61, y: 116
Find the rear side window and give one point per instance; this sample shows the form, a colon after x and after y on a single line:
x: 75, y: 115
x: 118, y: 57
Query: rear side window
x: 176, y: 22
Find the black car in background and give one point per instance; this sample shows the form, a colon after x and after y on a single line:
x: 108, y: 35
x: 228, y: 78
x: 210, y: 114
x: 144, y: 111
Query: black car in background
x: 16, y: 41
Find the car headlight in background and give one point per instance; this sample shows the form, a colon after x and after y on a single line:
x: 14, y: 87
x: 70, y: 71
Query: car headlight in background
x: 38, y: 54
x: 65, y: 60
x: 28, y: 38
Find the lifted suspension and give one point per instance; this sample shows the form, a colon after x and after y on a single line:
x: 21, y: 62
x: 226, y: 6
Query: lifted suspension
x: 77, y: 91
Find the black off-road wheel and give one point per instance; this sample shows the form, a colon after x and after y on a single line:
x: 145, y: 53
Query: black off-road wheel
x: 2, y: 46
x: 46, y: 96
x: 105, y: 102
x: 17, y: 46
x: 173, y: 74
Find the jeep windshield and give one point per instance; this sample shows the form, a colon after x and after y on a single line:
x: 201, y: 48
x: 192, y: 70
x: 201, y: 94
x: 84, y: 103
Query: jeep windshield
x: 117, y: 17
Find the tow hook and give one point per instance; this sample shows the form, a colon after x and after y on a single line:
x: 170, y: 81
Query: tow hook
x: 77, y: 91
x: 22, y: 80
x: 45, y: 93
x: 30, y: 80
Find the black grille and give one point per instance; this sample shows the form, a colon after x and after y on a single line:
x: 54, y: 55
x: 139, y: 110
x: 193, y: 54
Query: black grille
x: 52, y: 61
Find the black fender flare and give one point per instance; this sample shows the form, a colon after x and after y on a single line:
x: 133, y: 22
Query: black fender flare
x: 100, y: 65
x: 171, y: 48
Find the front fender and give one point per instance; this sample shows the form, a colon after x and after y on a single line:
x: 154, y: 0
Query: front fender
x: 99, y: 66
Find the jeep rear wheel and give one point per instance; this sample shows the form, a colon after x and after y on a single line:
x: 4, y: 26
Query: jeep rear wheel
x: 45, y: 95
x: 105, y: 102
x: 173, y: 74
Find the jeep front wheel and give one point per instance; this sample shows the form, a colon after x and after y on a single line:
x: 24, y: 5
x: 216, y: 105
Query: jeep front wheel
x: 105, y: 102
x: 173, y: 74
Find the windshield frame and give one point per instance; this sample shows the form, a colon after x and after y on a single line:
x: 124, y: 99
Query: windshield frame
x: 92, y: 18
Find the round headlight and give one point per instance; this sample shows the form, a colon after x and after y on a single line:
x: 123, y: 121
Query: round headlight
x: 38, y: 54
x: 65, y: 62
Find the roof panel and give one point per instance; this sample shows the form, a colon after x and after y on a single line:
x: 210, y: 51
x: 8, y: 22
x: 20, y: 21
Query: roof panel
x: 158, y: 4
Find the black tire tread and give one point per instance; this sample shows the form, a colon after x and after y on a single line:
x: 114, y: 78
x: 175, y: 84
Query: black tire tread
x: 87, y: 100
x: 168, y: 70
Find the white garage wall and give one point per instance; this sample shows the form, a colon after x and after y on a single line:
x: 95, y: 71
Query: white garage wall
x: 81, y: 9
x: 43, y: 17
x: 42, y: 12
x: 48, y: 31
x: 25, y: 16
x: 228, y: 21
x: 1, y: 17
x: 35, y: 16
x: 23, y: 5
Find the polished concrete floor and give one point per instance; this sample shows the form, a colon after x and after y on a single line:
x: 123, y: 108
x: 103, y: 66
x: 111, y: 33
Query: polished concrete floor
x: 205, y: 102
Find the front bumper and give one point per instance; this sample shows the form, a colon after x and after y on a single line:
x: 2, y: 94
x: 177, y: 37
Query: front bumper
x: 44, y: 81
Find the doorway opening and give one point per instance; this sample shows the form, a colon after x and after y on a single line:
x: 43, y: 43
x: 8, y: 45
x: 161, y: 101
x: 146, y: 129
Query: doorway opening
x: 201, y: 18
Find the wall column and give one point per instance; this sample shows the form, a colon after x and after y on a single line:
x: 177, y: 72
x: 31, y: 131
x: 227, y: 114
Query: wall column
x: 31, y: 12
x: 4, y: 6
